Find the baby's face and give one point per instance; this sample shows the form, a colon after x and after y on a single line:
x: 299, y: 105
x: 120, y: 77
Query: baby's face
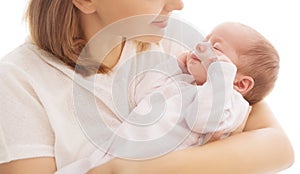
x: 229, y: 39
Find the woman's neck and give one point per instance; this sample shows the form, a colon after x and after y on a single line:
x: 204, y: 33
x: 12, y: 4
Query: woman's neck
x: 105, y: 48
x: 112, y: 58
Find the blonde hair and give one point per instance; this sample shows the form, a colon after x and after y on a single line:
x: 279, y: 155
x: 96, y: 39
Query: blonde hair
x: 261, y: 62
x: 54, y: 26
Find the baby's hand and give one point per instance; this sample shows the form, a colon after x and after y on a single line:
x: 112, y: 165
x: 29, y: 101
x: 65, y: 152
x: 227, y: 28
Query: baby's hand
x: 182, y: 61
x: 182, y: 58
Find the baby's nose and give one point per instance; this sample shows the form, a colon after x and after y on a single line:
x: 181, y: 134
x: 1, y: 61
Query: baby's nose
x: 205, y: 53
x: 205, y: 50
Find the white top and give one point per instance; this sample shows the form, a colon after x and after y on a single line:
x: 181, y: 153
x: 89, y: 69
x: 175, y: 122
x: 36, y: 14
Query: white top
x: 40, y: 102
x: 170, y: 108
x: 49, y: 111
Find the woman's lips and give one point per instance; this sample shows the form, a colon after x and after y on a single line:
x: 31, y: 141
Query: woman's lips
x: 160, y: 23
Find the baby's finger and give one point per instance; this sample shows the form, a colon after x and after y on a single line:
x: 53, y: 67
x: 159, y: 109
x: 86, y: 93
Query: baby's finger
x: 216, y: 136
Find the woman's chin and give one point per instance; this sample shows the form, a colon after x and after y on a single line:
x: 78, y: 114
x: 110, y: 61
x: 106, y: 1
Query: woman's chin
x: 149, y: 39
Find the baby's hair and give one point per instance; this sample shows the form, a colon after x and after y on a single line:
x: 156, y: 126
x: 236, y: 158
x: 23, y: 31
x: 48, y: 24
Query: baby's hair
x: 261, y: 62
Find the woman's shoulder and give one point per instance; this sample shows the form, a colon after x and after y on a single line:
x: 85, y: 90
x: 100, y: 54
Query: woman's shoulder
x: 31, y: 60
x: 27, y: 67
x: 17, y: 60
x: 24, y: 54
x: 27, y: 51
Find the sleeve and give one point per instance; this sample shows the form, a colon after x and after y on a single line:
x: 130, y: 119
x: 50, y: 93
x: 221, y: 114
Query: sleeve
x: 25, y: 131
x: 218, y: 106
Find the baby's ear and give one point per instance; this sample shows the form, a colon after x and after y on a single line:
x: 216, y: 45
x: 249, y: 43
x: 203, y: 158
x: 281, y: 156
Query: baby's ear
x: 243, y: 84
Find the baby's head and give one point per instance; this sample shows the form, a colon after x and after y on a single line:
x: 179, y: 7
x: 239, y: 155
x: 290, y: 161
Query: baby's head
x: 256, y: 59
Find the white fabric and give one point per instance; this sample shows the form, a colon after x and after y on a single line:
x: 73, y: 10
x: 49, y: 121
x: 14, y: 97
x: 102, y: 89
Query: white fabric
x: 37, y: 115
x: 38, y: 111
x: 214, y: 106
x: 187, y: 106
x: 220, y: 83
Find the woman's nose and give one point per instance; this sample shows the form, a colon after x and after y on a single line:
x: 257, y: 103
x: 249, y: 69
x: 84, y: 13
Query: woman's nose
x: 172, y: 5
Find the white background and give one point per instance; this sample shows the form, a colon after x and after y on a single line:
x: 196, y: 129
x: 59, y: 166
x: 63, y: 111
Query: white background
x: 277, y: 20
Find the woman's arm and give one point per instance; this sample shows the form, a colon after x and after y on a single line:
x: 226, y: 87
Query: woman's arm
x: 29, y: 166
x: 262, y: 148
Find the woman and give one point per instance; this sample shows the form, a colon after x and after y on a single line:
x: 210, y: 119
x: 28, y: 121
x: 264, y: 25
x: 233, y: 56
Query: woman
x: 38, y: 131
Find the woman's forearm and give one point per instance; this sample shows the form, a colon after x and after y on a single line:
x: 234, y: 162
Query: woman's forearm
x: 263, y: 148
x: 260, y: 151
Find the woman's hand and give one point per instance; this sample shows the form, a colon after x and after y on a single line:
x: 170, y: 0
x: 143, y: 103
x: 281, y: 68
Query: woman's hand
x: 118, y: 166
x: 106, y: 168
x: 43, y: 165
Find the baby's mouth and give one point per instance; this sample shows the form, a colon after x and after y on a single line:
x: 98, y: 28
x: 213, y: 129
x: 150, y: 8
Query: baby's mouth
x: 193, y: 58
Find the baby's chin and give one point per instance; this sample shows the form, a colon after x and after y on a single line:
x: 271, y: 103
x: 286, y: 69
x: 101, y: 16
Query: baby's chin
x: 199, y: 82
